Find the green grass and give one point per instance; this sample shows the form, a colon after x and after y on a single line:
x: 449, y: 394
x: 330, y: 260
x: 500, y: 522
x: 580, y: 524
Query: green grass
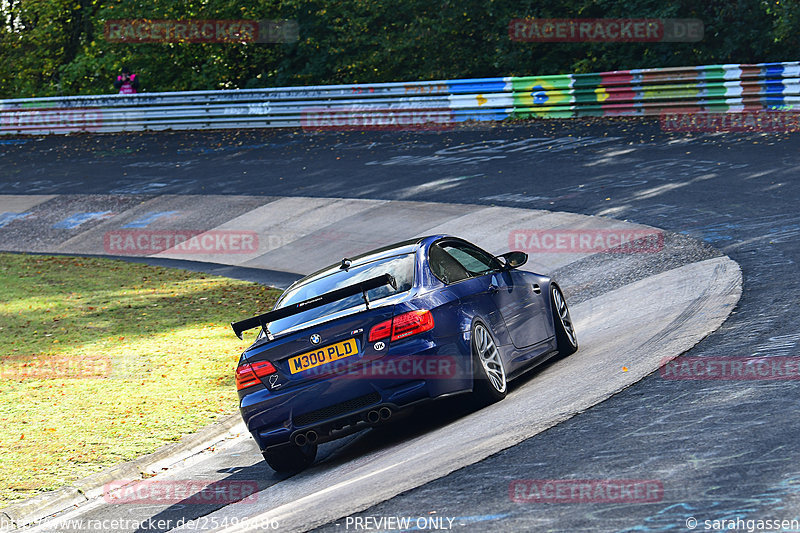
x: 102, y: 361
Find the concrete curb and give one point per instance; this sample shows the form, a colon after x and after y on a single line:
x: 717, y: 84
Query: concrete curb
x: 46, y: 504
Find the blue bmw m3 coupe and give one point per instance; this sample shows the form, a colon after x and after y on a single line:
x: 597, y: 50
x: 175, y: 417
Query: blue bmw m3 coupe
x: 353, y: 344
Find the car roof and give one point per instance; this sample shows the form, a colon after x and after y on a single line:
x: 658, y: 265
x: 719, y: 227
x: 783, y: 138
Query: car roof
x: 399, y: 248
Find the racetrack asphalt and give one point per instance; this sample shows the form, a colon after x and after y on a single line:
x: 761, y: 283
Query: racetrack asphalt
x: 722, y: 448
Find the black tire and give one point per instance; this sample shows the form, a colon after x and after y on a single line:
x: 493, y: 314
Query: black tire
x: 489, y: 383
x: 288, y: 459
x: 566, y: 337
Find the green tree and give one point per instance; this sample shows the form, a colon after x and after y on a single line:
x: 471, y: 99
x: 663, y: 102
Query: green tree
x: 52, y: 47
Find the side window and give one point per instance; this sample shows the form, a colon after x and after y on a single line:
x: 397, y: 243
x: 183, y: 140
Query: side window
x: 445, y: 267
x: 474, y: 260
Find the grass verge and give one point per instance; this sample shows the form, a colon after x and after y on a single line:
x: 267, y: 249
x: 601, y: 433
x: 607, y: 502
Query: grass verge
x: 102, y: 361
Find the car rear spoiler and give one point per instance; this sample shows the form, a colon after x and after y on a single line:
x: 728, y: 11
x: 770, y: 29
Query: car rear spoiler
x: 317, y: 301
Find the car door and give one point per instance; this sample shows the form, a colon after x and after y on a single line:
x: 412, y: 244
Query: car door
x: 519, y: 300
x: 473, y: 292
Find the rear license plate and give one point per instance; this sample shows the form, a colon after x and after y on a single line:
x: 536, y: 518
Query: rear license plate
x: 322, y: 356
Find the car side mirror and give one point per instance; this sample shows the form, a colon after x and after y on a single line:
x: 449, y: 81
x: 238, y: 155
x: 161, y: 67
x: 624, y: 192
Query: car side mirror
x: 514, y: 259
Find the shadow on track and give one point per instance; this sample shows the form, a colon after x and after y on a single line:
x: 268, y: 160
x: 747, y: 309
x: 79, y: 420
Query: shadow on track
x: 260, y: 478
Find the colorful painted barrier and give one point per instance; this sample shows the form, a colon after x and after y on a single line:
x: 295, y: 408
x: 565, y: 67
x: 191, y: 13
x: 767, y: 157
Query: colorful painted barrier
x: 730, y: 88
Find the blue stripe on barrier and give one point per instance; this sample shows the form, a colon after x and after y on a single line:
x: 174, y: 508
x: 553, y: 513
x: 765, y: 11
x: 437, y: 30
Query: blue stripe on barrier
x: 774, y: 100
x: 773, y: 70
x: 462, y: 115
x: 773, y: 87
x: 479, y: 85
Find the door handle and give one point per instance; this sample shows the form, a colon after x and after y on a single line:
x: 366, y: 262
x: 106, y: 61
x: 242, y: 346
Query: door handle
x: 493, y: 288
x: 537, y: 289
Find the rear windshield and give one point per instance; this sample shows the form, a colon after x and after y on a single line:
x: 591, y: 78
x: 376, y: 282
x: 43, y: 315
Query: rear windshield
x: 401, y: 267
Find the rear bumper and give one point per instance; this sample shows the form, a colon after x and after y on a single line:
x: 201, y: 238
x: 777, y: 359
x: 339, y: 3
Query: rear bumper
x: 332, y: 407
x: 334, y: 428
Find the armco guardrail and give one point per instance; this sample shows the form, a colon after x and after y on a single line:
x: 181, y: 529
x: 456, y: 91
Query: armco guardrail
x: 711, y: 88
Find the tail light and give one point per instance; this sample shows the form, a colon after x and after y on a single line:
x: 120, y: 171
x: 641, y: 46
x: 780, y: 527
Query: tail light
x: 381, y: 331
x: 402, y: 326
x: 248, y: 374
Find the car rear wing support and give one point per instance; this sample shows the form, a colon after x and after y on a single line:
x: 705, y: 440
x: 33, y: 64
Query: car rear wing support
x: 317, y: 301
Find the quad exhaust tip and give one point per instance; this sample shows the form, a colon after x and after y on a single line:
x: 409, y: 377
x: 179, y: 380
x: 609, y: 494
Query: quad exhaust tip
x: 378, y: 415
x: 373, y: 417
x: 309, y: 437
